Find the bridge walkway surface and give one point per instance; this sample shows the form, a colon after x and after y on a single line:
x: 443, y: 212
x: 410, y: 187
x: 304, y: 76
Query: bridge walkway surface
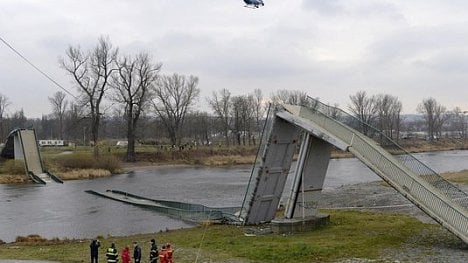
x: 438, y: 198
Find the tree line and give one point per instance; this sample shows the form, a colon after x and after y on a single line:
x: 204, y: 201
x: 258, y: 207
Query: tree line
x: 127, y: 96
x: 383, y: 111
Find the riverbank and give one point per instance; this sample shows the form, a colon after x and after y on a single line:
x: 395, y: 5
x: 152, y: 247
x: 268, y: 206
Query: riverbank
x: 370, y: 222
x: 81, y: 174
x: 435, y: 244
x: 79, y: 164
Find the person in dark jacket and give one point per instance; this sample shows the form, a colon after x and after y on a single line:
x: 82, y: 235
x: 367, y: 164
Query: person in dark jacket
x: 136, y: 252
x: 112, y: 254
x: 154, y: 255
x: 94, y: 248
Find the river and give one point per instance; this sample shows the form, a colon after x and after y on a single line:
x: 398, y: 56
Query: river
x: 57, y: 210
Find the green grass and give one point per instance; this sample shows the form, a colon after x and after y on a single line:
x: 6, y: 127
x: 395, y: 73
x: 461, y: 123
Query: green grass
x: 350, y: 234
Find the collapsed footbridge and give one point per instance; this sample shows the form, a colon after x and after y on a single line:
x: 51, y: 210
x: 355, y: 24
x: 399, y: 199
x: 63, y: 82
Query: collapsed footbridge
x: 21, y: 144
x: 316, y: 128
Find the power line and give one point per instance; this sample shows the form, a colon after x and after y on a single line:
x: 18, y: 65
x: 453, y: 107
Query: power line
x: 36, y: 68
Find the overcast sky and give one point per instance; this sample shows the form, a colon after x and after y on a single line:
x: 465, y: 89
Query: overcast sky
x: 328, y: 48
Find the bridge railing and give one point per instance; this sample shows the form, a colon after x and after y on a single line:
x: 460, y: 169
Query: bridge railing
x: 438, y: 204
x: 438, y: 207
x: 406, y: 158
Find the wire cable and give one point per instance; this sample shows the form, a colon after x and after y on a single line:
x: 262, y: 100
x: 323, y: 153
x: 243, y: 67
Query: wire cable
x: 36, y: 68
x: 201, y: 241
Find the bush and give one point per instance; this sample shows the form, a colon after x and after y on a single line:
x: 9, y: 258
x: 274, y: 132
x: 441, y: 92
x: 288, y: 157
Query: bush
x: 76, y: 161
x: 30, y: 239
x: 87, y: 161
x: 12, y: 167
x: 109, y: 163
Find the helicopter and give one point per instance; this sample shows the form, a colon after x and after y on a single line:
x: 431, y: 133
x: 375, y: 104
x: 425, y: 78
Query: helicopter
x: 253, y: 3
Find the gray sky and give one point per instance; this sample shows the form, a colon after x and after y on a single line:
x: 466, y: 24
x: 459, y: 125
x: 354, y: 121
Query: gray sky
x: 330, y: 49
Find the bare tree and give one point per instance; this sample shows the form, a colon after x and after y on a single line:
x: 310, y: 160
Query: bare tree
x: 259, y: 109
x: 242, y: 114
x: 458, y: 122
x: 91, y: 72
x: 221, y: 103
x: 434, y: 115
x: 75, y: 123
x: 293, y: 97
x: 132, y: 87
x: 18, y: 119
x: 4, y: 103
x: 364, y: 108
x: 174, y: 95
x: 59, y: 107
x: 199, y: 127
x: 388, y: 109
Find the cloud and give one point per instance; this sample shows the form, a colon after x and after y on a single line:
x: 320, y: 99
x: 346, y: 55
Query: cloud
x: 418, y: 44
x: 328, y: 7
x: 449, y: 62
x: 329, y: 48
x: 361, y: 9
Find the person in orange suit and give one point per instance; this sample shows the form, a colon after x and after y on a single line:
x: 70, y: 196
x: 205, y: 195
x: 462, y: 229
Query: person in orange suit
x: 163, y: 255
x: 169, y: 251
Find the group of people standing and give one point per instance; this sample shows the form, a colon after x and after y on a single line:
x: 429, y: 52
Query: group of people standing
x: 164, y: 255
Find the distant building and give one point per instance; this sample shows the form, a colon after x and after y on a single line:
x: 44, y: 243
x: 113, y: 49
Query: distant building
x: 122, y: 143
x: 51, y: 143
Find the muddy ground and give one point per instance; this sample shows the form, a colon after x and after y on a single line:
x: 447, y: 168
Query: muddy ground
x: 436, y: 246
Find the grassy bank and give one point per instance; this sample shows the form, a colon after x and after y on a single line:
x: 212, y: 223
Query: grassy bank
x: 350, y: 234
x: 78, y: 163
x: 457, y: 177
x: 73, y: 166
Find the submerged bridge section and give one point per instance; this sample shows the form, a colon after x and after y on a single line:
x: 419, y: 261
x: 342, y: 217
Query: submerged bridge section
x: 22, y: 145
x: 317, y: 128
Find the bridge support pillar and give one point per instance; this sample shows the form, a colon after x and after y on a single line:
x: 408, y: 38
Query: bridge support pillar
x: 273, y: 172
x: 312, y: 166
x: 299, y: 225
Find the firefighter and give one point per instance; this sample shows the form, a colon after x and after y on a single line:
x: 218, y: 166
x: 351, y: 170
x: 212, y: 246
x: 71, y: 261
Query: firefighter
x: 112, y: 254
x: 154, y: 252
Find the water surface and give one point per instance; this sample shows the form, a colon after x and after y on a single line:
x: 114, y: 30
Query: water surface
x: 57, y: 210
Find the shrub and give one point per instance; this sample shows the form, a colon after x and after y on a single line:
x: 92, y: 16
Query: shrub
x: 87, y: 161
x: 76, y: 161
x: 109, y: 163
x: 30, y: 239
x: 12, y: 167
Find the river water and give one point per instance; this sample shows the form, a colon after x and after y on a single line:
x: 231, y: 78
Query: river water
x: 57, y: 210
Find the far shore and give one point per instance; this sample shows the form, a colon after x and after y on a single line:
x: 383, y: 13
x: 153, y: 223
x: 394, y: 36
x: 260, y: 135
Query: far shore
x: 87, y: 174
x: 217, y: 160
